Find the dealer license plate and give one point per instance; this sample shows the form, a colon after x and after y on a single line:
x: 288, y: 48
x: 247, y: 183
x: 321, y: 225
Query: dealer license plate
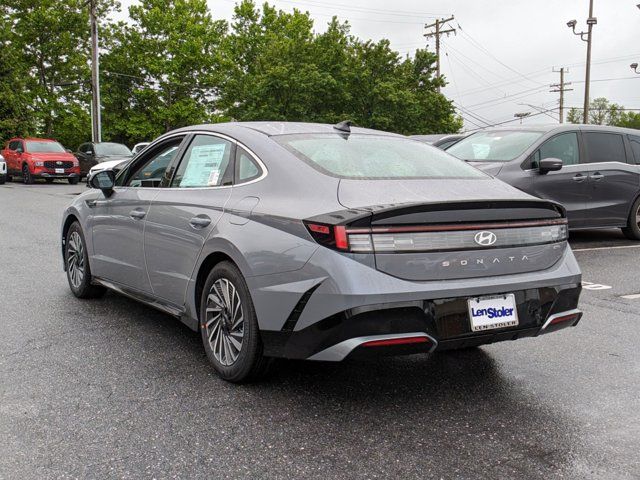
x: 59, y: 170
x: 488, y: 313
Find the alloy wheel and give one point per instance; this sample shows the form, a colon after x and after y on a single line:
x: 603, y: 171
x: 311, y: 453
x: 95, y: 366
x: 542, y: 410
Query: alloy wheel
x: 224, y: 321
x: 638, y: 216
x: 75, y: 259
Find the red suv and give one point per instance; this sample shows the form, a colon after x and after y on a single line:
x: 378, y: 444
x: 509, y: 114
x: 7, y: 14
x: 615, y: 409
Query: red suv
x: 34, y: 158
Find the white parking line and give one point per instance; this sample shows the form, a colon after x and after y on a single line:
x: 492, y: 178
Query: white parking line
x: 631, y: 297
x: 604, y: 248
x: 595, y: 286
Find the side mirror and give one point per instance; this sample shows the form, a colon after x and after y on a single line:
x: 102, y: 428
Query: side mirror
x: 549, y: 165
x: 105, y: 181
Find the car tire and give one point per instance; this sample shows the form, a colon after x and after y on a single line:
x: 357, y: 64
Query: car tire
x: 225, y: 291
x: 3, y: 178
x: 27, y: 179
x: 77, y: 265
x: 632, y: 230
x: 74, y: 180
x: 49, y: 180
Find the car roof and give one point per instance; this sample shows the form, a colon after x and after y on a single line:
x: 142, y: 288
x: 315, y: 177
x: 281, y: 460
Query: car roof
x: 546, y: 128
x: 282, y: 128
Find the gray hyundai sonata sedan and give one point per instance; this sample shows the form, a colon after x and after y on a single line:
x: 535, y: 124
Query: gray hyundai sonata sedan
x: 321, y: 242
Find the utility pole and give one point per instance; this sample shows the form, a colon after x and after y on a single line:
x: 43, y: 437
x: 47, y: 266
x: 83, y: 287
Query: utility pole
x: 96, y: 122
x: 561, y: 87
x: 437, y: 32
x: 591, y: 21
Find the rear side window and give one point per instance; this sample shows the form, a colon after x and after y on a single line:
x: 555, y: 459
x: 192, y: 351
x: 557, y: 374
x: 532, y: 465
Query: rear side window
x: 604, y: 147
x: 205, y: 164
x: 635, y: 147
x: 246, y: 167
x: 375, y: 157
x: 563, y: 147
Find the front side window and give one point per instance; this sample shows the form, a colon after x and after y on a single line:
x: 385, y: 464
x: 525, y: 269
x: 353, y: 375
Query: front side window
x: 635, y: 147
x: 604, y: 147
x: 563, y: 146
x: 374, y: 157
x: 494, y: 146
x: 44, y: 147
x: 151, y: 172
x: 205, y: 163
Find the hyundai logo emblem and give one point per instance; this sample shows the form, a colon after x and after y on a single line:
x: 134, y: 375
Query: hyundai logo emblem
x: 58, y: 163
x: 485, y: 238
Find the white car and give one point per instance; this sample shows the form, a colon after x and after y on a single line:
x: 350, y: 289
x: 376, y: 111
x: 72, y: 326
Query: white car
x: 138, y: 147
x: 3, y: 170
x: 110, y: 165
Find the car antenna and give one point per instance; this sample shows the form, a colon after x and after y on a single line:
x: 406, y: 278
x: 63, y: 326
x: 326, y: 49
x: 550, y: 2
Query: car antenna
x: 344, y: 126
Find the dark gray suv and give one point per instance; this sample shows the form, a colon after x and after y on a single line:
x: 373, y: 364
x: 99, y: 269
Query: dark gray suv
x: 592, y: 170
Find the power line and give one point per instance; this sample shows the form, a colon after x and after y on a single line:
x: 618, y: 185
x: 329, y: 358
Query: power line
x: 469, y: 38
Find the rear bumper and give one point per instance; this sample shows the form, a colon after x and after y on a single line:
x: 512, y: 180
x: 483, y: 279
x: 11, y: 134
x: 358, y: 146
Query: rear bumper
x: 428, y: 325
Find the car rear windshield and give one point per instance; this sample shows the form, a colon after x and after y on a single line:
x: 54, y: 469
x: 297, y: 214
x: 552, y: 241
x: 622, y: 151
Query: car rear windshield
x: 112, y: 149
x: 374, y: 157
x: 494, y: 146
x: 44, y: 147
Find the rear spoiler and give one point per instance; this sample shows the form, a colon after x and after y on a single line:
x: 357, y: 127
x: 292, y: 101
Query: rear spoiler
x: 444, y: 213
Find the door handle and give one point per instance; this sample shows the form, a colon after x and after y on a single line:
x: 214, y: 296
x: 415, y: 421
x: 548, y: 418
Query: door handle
x: 137, y: 214
x: 200, y: 222
x: 96, y: 203
x: 597, y: 176
x: 579, y: 178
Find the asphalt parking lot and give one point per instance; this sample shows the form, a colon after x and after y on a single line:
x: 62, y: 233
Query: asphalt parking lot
x: 111, y: 388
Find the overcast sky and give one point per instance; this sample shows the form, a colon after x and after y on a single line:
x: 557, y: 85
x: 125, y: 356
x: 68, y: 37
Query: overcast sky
x: 504, y: 50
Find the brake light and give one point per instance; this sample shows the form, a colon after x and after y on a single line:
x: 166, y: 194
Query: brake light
x: 332, y: 236
x: 395, y: 341
x: 565, y: 318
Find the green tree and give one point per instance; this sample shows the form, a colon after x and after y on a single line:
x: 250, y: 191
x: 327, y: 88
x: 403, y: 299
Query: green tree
x: 629, y: 120
x: 162, y: 69
x: 601, y: 112
x: 15, y: 115
x: 279, y: 69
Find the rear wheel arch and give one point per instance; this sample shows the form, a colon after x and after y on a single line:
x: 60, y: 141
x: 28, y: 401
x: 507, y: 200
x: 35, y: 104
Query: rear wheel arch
x: 206, y: 266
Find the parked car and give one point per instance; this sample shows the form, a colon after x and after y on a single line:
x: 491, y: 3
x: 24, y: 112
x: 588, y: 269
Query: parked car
x: 3, y: 170
x: 90, y: 154
x: 592, y: 170
x: 138, y: 147
x: 34, y: 158
x: 321, y: 242
x: 115, y: 165
x: 442, y: 141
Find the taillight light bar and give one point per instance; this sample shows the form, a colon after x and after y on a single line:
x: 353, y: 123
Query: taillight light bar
x: 424, y: 238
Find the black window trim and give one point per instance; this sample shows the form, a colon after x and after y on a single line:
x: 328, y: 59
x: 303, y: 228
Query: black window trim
x: 607, y: 132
